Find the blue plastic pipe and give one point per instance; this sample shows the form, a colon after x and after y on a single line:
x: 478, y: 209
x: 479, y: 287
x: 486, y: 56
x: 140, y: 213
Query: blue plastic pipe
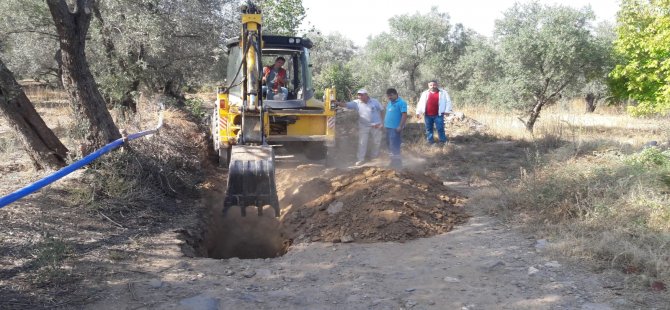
x: 4, y: 201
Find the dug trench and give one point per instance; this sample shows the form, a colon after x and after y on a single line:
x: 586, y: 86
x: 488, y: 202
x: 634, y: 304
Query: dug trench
x: 339, y: 204
x: 334, y: 205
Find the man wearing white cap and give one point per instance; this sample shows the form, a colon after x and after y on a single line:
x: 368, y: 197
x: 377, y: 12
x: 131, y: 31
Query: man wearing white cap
x: 369, y: 124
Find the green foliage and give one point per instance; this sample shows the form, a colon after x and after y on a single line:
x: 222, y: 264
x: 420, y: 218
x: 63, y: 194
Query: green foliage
x: 332, y: 65
x: 330, y: 50
x: 643, y: 44
x: 544, y: 50
x: 29, y: 42
x: 282, y: 17
x: 159, y: 42
x: 418, y: 48
x: 594, y: 79
x: 651, y: 158
x: 475, y: 73
x: 342, y: 78
x: 147, y: 41
x: 197, y: 107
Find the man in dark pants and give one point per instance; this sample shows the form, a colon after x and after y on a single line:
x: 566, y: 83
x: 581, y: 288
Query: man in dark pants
x: 434, y: 104
x: 394, y: 122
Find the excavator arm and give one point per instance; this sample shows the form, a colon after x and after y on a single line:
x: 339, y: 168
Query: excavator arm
x: 251, y: 171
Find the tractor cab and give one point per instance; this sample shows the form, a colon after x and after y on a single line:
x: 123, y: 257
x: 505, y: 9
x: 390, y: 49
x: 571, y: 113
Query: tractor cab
x: 297, y: 91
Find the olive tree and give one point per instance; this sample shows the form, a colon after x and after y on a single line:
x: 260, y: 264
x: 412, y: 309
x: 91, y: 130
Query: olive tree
x: 332, y: 66
x: 596, y: 82
x: 161, y: 45
x: 72, y: 25
x: 419, y: 47
x: 544, y: 49
x: 476, y: 72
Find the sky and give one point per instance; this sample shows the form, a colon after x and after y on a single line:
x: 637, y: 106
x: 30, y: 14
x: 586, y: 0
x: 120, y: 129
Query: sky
x: 358, y: 19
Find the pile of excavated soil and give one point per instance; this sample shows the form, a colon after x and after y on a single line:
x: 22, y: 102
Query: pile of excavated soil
x: 369, y: 205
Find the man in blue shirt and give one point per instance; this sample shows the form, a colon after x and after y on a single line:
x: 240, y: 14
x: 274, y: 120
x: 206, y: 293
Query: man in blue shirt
x: 369, y: 124
x: 394, y: 122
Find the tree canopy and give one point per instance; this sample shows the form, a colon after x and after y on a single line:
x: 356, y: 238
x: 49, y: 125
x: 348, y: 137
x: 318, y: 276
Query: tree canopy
x: 643, y: 45
x: 544, y: 49
x: 418, y: 47
x: 282, y: 17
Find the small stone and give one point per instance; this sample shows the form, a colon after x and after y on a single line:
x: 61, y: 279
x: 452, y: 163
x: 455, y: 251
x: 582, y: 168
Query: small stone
x: 155, y: 283
x: 347, y: 239
x: 229, y: 272
x: 201, y: 302
x: 335, y: 207
x: 495, y: 265
x: 409, y: 290
x: 541, y: 244
x: 553, y: 264
x: 451, y: 280
x: 249, y: 273
x: 263, y: 273
x: 650, y: 144
x: 532, y: 270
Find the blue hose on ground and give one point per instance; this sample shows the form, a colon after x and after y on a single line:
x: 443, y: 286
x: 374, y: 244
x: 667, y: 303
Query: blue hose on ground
x: 4, y: 201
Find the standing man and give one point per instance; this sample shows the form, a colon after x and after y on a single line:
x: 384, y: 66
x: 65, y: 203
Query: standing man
x: 394, y: 122
x: 274, y: 78
x: 434, y: 104
x: 369, y: 124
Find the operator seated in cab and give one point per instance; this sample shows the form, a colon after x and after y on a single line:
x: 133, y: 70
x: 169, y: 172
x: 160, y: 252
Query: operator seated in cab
x: 274, y: 80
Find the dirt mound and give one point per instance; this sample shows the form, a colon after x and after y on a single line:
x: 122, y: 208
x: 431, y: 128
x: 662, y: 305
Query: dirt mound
x: 370, y: 205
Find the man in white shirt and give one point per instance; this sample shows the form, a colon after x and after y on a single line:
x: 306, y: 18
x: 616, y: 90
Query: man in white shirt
x: 369, y: 124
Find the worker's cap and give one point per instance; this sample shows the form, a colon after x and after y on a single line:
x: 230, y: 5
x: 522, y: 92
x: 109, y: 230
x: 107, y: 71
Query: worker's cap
x: 362, y: 91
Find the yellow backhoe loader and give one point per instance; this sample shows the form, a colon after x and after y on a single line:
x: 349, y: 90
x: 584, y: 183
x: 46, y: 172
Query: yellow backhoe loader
x: 248, y: 121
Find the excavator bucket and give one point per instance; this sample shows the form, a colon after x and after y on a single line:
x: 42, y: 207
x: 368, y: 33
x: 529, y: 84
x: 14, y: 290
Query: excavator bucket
x: 251, y: 179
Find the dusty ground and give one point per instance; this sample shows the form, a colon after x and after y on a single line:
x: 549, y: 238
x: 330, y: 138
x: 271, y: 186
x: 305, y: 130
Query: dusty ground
x: 117, y: 262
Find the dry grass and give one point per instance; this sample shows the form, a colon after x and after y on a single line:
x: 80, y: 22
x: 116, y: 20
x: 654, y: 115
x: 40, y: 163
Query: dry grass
x: 141, y: 190
x: 591, y: 188
x: 569, y: 122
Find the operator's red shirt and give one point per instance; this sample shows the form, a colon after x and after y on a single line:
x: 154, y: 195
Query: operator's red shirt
x: 433, y: 103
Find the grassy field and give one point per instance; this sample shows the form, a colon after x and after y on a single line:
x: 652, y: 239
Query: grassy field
x: 594, y: 187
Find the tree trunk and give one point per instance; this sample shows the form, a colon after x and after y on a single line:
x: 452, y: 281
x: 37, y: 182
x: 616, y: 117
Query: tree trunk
x: 77, y: 77
x: 41, y: 144
x: 412, y: 81
x: 534, y: 115
x: 590, y: 102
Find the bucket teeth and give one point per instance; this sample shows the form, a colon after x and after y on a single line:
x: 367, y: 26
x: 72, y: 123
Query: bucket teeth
x: 251, y: 179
